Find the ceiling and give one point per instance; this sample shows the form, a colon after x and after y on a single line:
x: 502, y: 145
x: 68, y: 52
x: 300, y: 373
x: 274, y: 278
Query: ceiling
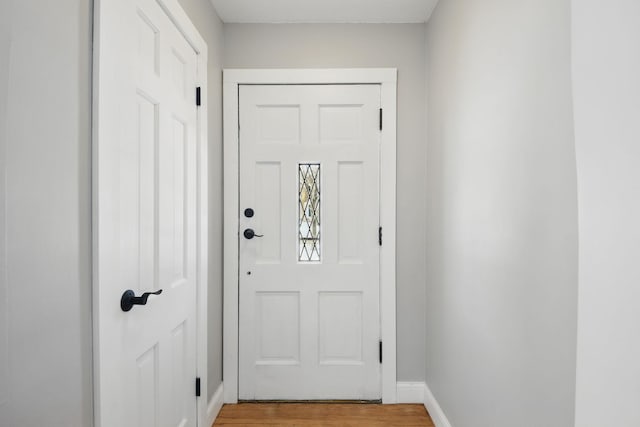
x: 324, y: 11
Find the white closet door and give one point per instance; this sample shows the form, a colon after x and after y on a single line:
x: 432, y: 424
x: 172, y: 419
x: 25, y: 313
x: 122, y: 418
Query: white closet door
x: 145, y: 217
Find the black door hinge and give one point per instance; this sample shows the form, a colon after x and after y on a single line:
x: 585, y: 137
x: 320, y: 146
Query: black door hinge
x: 380, y: 236
x: 381, y: 119
x: 198, y: 96
x: 197, y: 387
x: 380, y: 350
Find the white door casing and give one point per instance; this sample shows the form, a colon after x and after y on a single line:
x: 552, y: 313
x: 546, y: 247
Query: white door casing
x: 149, y: 192
x: 235, y: 222
x: 309, y: 288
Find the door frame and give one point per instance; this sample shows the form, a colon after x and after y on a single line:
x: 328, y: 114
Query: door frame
x: 232, y: 79
x: 206, y: 412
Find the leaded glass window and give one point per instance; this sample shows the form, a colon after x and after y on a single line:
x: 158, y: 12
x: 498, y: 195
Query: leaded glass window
x: 309, y: 212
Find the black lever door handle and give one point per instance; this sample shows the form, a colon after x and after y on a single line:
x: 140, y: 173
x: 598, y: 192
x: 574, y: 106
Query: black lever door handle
x: 250, y: 234
x: 129, y: 299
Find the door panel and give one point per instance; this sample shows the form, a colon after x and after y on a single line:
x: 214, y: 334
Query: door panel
x: 350, y: 208
x: 309, y: 283
x: 340, y: 328
x: 278, y: 328
x: 145, y: 217
x: 268, y: 202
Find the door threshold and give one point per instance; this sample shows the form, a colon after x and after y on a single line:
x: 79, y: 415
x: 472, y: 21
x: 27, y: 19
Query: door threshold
x: 331, y: 401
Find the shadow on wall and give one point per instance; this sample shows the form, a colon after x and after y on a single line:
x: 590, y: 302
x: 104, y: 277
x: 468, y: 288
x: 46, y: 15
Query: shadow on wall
x: 502, y: 213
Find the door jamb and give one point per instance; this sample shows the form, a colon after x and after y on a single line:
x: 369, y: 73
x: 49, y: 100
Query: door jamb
x: 387, y: 79
x: 179, y: 17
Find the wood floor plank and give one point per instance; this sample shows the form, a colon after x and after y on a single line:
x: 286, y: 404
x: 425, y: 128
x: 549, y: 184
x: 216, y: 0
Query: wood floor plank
x: 322, y: 415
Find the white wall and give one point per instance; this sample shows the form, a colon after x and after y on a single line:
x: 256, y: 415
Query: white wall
x: 46, y: 227
x: 362, y: 45
x: 204, y: 17
x: 606, y: 76
x: 502, y: 213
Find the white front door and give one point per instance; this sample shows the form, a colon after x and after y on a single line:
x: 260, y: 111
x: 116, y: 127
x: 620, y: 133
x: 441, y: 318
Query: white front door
x: 145, y: 191
x: 309, y: 251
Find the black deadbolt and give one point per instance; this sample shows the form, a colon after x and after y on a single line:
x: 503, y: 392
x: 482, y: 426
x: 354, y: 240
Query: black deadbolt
x: 248, y: 213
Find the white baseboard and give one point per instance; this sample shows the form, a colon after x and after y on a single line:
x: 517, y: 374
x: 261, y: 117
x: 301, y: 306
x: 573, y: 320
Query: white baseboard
x: 410, y: 392
x: 434, y: 409
x: 215, y: 404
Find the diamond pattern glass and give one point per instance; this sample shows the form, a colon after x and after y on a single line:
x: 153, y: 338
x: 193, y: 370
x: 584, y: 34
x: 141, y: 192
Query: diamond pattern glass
x: 309, y: 212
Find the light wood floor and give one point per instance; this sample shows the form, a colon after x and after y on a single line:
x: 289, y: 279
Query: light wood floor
x: 322, y: 414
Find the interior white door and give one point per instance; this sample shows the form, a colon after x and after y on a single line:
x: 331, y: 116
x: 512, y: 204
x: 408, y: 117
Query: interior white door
x: 145, y: 191
x: 309, y: 279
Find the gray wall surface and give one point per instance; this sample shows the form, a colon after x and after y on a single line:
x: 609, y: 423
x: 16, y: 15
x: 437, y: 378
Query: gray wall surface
x: 502, y: 213
x: 367, y: 45
x: 204, y: 17
x: 47, y: 371
x: 4, y: 290
x: 606, y: 71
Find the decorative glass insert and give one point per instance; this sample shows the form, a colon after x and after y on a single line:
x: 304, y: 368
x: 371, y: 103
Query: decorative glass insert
x: 309, y: 212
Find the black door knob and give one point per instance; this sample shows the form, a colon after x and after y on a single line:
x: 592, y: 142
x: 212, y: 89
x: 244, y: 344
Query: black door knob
x: 250, y: 234
x: 129, y: 299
